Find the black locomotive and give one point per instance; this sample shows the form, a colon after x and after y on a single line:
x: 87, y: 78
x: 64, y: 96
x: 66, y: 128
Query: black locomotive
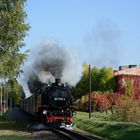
x: 51, y: 105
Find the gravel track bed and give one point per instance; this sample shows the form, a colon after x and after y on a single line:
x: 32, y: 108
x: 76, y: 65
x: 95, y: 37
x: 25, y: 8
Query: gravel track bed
x: 22, y: 135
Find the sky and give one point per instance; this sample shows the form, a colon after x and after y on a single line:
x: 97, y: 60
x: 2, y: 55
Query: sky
x: 103, y: 32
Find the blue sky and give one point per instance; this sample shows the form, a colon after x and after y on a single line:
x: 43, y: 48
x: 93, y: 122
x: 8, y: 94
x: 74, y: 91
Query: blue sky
x: 104, y: 32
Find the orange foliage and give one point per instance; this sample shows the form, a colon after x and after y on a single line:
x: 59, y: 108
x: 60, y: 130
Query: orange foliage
x: 99, y: 101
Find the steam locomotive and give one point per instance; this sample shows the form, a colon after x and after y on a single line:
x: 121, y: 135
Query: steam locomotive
x: 52, y: 105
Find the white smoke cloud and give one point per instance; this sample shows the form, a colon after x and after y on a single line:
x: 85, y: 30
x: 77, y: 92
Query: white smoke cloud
x: 52, y: 60
x: 102, y: 44
x: 24, y: 77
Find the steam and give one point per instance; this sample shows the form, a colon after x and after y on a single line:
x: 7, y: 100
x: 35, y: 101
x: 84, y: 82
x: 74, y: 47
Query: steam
x: 52, y: 60
x: 24, y: 77
x: 103, y: 44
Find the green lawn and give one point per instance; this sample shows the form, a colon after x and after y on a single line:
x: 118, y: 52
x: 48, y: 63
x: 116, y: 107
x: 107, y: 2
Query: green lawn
x: 101, y: 125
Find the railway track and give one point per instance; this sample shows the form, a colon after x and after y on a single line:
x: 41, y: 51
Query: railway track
x: 33, y: 127
x: 73, y: 135
x: 66, y: 134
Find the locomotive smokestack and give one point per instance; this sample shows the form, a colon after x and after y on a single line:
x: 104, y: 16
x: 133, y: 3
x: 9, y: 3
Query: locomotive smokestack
x: 57, y: 81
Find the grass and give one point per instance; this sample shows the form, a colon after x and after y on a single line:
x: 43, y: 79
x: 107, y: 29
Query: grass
x: 14, y: 135
x: 17, y: 130
x: 101, y: 125
x: 13, y: 130
x: 14, y: 125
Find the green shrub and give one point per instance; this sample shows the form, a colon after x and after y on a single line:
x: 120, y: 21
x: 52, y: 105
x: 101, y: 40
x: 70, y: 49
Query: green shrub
x: 127, y: 110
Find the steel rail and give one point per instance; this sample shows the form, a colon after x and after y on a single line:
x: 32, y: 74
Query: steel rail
x: 73, y: 135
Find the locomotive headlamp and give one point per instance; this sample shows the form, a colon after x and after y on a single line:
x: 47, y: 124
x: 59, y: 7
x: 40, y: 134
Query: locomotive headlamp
x: 44, y: 112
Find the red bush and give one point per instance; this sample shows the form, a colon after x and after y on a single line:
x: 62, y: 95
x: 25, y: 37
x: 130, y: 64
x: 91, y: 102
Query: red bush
x: 99, y: 101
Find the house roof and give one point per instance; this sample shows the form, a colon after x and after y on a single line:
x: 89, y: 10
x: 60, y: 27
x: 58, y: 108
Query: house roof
x: 129, y: 71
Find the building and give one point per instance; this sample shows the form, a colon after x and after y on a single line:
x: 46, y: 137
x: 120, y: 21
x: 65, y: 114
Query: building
x: 128, y: 80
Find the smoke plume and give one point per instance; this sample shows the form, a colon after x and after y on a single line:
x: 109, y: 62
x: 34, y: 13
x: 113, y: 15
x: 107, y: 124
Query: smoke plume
x: 51, y: 60
x: 103, y: 44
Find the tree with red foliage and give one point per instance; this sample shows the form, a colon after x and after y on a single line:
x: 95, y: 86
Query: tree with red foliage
x: 100, y: 101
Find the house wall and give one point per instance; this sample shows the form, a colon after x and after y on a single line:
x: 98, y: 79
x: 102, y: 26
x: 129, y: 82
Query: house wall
x: 121, y: 81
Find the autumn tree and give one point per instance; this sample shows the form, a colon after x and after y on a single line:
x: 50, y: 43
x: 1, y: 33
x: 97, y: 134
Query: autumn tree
x: 14, y: 91
x: 106, y: 80
x: 101, y: 80
x: 13, y: 30
x: 82, y: 86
